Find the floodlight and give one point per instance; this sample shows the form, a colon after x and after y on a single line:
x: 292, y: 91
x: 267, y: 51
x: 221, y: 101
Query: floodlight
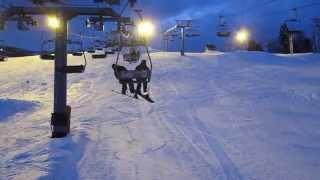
x: 145, y: 29
x: 242, y: 36
x: 53, y: 22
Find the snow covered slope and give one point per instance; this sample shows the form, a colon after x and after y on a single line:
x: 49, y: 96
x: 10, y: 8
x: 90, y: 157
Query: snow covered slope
x: 217, y: 116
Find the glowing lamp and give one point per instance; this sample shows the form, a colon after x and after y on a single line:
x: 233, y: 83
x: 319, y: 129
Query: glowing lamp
x: 145, y: 29
x: 242, y: 36
x: 53, y: 22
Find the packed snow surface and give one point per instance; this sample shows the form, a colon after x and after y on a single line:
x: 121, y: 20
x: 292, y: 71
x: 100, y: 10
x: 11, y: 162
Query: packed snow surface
x: 221, y: 116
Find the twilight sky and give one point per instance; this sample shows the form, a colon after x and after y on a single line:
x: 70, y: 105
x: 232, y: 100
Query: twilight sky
x: 261, y: 17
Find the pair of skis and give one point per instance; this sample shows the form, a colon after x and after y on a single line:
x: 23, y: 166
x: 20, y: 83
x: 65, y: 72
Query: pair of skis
x: 145, y: 97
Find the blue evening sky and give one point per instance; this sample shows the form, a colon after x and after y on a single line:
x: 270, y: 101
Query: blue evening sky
x: 262, y: 17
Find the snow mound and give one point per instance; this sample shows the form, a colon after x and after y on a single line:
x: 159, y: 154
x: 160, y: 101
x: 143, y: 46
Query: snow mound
x: 10, y: 107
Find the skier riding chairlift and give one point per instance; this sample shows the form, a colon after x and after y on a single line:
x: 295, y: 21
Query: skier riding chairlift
x: 123, y: 81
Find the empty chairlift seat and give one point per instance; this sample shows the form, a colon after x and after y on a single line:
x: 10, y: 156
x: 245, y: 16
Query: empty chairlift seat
x: 47, y: 56
x: 74, y: 69
x: 99, y: 56
x: 77, y: 53
x: 223, y: 28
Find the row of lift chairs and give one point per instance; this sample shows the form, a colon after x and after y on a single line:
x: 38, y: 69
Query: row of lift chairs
x: 76, y: 49
x: 293, y: 24
x: 128, y: 46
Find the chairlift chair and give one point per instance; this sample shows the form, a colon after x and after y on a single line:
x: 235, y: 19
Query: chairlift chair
x: 99, y: 56
x: 76, y: 51
x: 2, y: 56
x: 46, y: 53
x: 91, y: 51
x: 2, y: 51
x: 133, y: 56
x: 294, y: 24
x: 108, y: 51
x: 223, y: 28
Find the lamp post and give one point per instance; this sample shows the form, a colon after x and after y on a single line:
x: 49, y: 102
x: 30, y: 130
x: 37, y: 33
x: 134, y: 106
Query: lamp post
x: 61, y: 117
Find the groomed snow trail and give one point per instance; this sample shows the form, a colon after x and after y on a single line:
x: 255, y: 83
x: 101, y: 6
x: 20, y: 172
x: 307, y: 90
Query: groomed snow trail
x: 224, y: 116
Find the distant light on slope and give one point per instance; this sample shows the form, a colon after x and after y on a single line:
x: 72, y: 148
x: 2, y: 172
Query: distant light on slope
x: 53, y: 22
x: 242, y: 36
x: 145, y: 29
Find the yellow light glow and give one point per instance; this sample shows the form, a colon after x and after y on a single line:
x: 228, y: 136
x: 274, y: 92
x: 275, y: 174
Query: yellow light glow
x: 242, y: 36
x: 145, y: 29
x: 53, y: 22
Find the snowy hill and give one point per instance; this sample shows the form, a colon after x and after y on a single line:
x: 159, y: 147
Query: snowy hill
x: 224, y: 116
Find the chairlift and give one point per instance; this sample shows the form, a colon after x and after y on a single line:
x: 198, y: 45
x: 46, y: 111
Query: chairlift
x: 46, y: 53
x: 109, y: 51
x: 293, y: 24
x: 79, y: 50
x: 99, y: 56
x: 223, y: 28
x: 77, y: 53
x: 91, y: 50
x: 3, y: 56
x: 133, y: 55
x: 2, y: 51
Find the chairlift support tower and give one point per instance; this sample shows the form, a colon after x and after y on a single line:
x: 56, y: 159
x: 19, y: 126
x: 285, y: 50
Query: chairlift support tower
x: 182, y: 26
x: 293, y: 31
x: 61, y: 115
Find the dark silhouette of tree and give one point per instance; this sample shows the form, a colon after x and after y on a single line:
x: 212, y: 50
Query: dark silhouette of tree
x: 284, y: 39
x: 254, y: 46
x: 211, y: 47
x: 301, y: 44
